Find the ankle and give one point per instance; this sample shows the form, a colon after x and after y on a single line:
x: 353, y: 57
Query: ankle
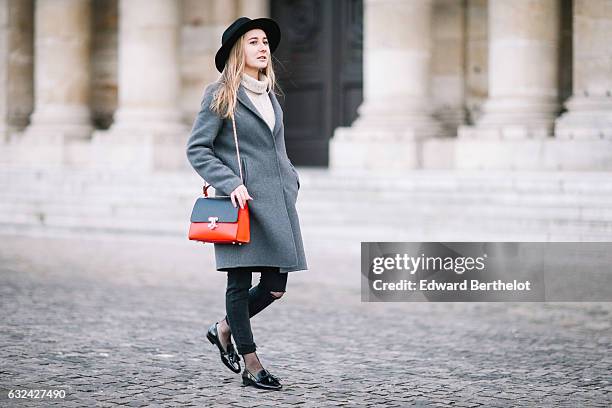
x: 252, y: 363
x: 223, y: 327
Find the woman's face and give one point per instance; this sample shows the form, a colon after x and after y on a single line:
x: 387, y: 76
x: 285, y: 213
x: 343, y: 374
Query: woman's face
x: 256, y: 49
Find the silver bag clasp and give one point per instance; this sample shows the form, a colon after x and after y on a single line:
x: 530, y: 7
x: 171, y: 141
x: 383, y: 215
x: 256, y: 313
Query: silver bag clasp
x: 212, y: 222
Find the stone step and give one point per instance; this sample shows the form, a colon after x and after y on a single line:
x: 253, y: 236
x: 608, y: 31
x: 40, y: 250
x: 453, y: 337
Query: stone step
x: 310, y: 201
x: 351, y: 215
x: 366, y: 212
x: 598, y: 183
x: 452, y: 232
x: 434, y: 231
x: 321, y: 192
x: 344, y: 207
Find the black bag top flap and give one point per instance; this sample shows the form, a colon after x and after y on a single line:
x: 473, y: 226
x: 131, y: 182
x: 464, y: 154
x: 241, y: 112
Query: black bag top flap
x: 220, y: 207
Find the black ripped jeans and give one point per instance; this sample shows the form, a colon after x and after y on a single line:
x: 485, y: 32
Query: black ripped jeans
x: 243, y: 302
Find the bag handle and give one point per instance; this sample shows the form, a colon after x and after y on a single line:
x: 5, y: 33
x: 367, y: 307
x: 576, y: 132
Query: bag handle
x: 207, y: 185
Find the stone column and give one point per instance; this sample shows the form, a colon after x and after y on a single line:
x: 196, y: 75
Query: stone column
x: 61, y: 70
x: 148, y: 74
x: 448, y: 62
x: 523, y: 72
x: 477, y: 50
x: 203, y: 23
x: 16, y: 66
x: 148, y: 131
x: 254, y: 8
x: 589, y: 113
x: 396, y: 113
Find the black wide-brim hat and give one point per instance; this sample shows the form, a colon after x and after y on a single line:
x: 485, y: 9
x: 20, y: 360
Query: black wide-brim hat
x: 238, y: 28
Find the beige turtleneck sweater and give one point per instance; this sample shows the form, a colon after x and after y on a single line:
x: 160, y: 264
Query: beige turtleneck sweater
x: 257, y: 92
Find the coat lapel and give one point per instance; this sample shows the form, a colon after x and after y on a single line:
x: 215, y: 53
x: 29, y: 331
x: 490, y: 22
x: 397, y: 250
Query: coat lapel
x: 277, y: 113
x: 246, y: 101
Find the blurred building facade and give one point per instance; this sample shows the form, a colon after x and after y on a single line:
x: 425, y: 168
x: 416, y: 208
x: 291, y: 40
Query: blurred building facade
x: 432, y: 84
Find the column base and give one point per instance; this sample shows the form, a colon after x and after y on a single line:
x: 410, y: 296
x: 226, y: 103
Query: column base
x: 143, y: 139
x: 499, y: 132
x: 56, y: 134
x: 140, y: 149
x: 513, y: 118
x: 147, y: 121
x: 378, y: 149
x: 584, y: 133
x: 537, y: 154
x: 450, y: 119
x: 35, y: 148
x: 59, y: 124
x: 5, y: 133
x: 587, y: 119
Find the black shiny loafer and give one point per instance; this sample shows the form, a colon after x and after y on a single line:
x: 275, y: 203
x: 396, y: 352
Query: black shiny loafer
x: 263, y: 379
x: 230, y: 358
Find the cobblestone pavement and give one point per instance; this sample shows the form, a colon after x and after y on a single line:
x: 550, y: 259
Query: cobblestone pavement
x: 122, y: 321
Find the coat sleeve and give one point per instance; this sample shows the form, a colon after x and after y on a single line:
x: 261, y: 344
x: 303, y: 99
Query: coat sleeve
x: 200, y: 152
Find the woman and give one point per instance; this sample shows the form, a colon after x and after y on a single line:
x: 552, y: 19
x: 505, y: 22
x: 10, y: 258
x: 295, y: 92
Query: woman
x: 270, y: 182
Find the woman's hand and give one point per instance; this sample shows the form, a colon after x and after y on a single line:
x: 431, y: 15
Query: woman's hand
x: 241, y: 194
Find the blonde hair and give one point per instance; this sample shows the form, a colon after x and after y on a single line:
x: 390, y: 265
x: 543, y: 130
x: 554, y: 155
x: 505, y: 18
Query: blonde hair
x: 224, y: 100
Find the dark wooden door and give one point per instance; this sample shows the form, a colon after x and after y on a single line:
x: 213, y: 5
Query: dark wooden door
x: 319, y: 69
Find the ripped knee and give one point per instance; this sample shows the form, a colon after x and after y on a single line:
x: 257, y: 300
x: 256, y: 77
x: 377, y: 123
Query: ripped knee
x: 277, y: 295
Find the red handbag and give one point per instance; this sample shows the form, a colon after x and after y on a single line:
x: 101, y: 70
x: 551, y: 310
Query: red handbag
x: 216, y: 220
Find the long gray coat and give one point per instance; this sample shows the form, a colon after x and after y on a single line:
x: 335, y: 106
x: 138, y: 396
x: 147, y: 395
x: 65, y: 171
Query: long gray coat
x: 269, y: 176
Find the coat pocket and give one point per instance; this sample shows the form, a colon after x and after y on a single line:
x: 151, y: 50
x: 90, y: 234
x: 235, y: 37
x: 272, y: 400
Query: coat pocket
x: 244, y: 171
x: 297, y: 176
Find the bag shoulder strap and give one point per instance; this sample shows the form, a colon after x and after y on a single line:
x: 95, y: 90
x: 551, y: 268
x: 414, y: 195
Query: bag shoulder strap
x: 207, y: 185
x: 237, y: 150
